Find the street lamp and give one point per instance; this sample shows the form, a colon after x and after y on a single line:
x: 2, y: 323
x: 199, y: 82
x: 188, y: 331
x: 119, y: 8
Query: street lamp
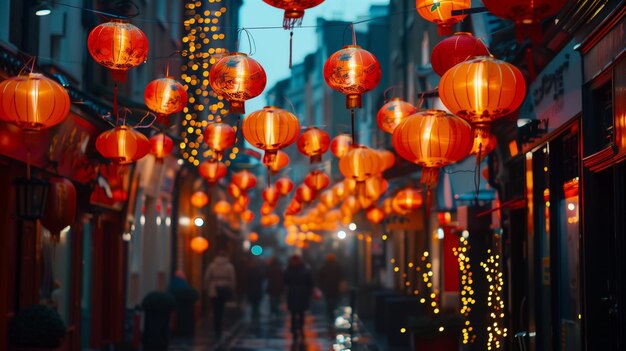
x: 43, y: 8
x: 341, y: 234
x: 31, y: 197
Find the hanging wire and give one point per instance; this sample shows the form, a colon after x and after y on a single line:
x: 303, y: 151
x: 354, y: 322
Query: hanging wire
x: 391, y: 88
x: 105, y: 14
x: 251, y: 42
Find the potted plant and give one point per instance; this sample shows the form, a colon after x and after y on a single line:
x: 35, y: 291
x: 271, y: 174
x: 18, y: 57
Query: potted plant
x: 435, y: 333
x: 37, y: 327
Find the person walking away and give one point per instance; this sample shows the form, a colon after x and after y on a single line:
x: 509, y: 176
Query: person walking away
x: 255, y: 278
x: 221, y: 279
x: 275, y: 285
x: 330, y: 278
x: 299, y: 284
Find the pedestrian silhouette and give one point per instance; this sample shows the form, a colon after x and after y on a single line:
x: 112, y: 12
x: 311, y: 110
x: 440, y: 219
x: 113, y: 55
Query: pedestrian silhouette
x: 299, y: 284
x: 255, y: 277
x: 221, y: 280
x: 330, y: 278
x: 275, y: 285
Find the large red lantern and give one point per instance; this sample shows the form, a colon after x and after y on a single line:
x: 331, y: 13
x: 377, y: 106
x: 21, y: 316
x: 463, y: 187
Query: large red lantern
x: 294, y: 10
x: 33, y: 102
x: 392, y: 113
x: 122, y: 145
x: 244, y: 180
x: 271, y: 195
x: 237, y: 78
x: 165, y: 96
x: 284, y: 186
x: 161, y: 145
x: 360, y: 163
x: 212, y: 170
x: 317, y: 180
x: 456, y: 49
x: 409, y: 199
x: 440, y: 12
x: 270, y: 129
x: 341, y: 144
x: 526, y: 14
x: 313, y: 143
x: 118, y: 46
x: 280, y: 161
x: 199, y: 244
x: 432, y: 139
x: 219, y: 137
x: 304, y: 194
x: 199, y: 199
x: 60, y: 207
x: 352, y: 71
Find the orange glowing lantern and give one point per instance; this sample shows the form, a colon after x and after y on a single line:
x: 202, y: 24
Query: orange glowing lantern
x: 304, y: 194
x: 234, y: 190
x: 350, y: 205
x: 212, y: 170
x: 350, y: 186
x: 118, y: 46
x: 122, y: 145
x: 243, y: 200
x: 527, y: 15
x: 484, y: 143
x: 444, y: 218
x: 313, y: 143
x: 375, y: 187
x: 360, y: 163
x: 375, y: 215
x: 33, y: 102
x: 395, y: 205
x: 294, y: 10
x: 352, y: 71
x: 199, y: 199
x: 165, y: 96
x: 199, y: 244
x: 271, y: 195
x: 266, y: 208
x: 339, y: 190
x: 238, y: 207
x: 387, y: 159
x: 280, y: 161
x: 270, y: 129
x: 327, y: 198
x: 409, y: 199
x: 221, y: 207
x: 341, y: 144
x: 284, y: 186
x: 388, y: 206
x: 237, y: 78
x: 244, y: 180
x: 440, y: 12
x: 293, y: 208
x: 317, y: 180
x: 247, y: 216
x: 270, y: 220
x: 253, y: 237
x: 481, y: 90
x: 392, y: 113
x: 219, y: 137
x: 60, y: 207
x: 456, y: 49
x: 432, y: 139
x: 364, y: 200
x: 161, y: 145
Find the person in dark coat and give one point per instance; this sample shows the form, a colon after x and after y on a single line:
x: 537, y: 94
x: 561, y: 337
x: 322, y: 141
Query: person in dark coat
x: 255, y: 277
x: 330, y: 277
x: 299, y: 284
x: 275, y: 285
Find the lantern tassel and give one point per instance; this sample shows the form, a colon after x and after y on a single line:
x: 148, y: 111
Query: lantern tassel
x: 290, y: 22
x: 290, y: 49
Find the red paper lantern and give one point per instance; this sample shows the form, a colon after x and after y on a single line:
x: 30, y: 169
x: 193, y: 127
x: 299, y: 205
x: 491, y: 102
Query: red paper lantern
x: 253, y: 237
x: 304, y: 194
x: 313, y: 143
x: 237, y: 78
x: 341, y: 144
x: 234, y: 190
x: 375, y: 187
x: 440, y: 12
x: 360, y: 163
x: 244, y: 180
x: 161, y: 145
x: 375, y: 215
x: 266, y: 208
x: 293, y: 208
x: 392, y: 113
x: 60, y: 207
x: 270, y: 220
x: 118, y: 46
x: 432, y: 139
x: 212, y: 170
x: 328, y: 199
x: 271, y: 195
x: 11, y: 137
x: 199, y: 244
x: 526, y: 14
x: 199, y: 199
x: 219, y: 137
x: 221, y: 207
x: 33, y: 102
x: 280, y: 161
x: 165, y: 96
x: 294, y: 10
x: 247, y: 216
x: 456, y: 49
x: 409, y: 199
x: 284, y: 186
x: 387, y: 159
x: 122, y: 145
x: 317, y: 180
x: 339, y: 190
x: 352, y: 71
x: 270, y: 129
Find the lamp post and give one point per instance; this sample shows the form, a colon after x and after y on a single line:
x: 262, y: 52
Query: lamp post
x: 31, y: 194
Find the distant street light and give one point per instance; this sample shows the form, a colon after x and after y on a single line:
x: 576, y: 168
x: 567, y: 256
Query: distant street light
x: 352, y: 226
x: 341, y: 234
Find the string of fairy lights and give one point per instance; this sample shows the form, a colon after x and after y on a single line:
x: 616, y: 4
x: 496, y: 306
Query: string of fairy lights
x: 495, y: 330
x: 467, y: 292
x: 203, y: 42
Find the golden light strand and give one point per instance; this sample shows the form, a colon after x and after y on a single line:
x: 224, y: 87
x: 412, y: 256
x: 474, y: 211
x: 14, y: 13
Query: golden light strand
x: 495, y: 329
x: 467, y: 293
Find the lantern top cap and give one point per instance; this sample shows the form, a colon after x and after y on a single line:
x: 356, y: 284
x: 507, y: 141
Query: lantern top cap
x: 352, y: 46
x: 237, y: 53
x: 122, y: 127
x: 464, y: 33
